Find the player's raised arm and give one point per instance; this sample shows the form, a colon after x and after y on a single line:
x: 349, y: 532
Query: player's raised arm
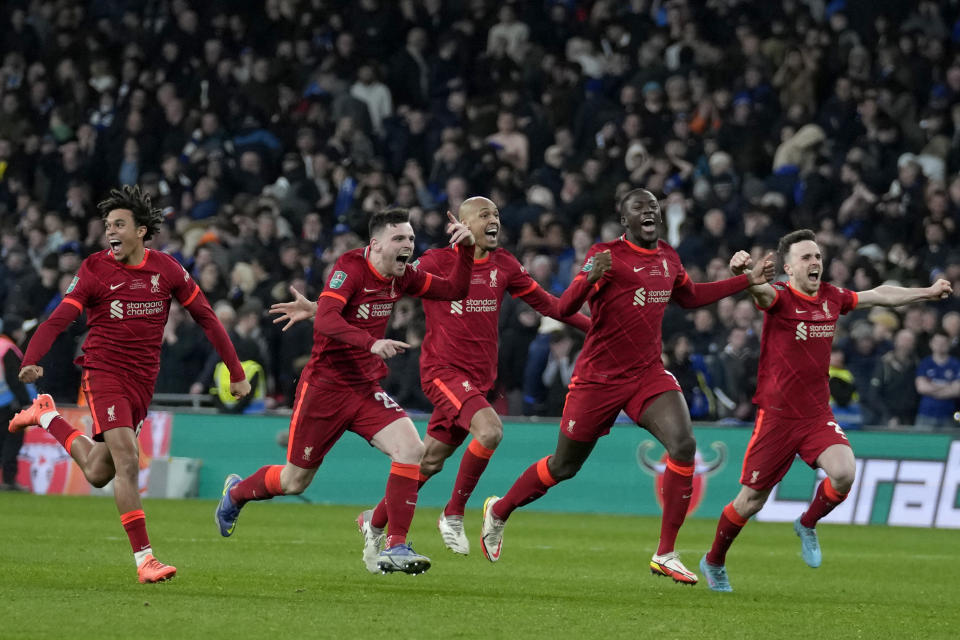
x: 890, y: 296
x: 763, y: 294
x: 203, y: 314
x: 294, y: 311
x: 589, y: 280
x: 457, y: 287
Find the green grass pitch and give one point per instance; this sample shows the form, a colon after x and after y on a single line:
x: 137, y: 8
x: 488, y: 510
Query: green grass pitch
x: 294, y: 570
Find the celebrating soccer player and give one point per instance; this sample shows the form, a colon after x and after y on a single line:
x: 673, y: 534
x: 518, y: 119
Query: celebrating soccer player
x: 457, y: 379
x: 126, y: 292
x: 792, y: 397
x: 627, y: 283
x: 339, y: 388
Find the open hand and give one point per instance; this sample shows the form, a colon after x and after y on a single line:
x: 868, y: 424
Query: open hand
x: 294, y: 311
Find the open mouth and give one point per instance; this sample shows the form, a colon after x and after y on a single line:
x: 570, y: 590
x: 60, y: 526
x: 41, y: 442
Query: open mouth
x: 648, y: 224
x: 403, y: 257
x: 491, y: 232
x: 814, y: 275
x: 115, y: 246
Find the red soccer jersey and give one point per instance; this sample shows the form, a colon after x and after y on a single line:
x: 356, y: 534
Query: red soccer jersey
x: 367, y: 300
x: 626, y: 308
x: 793, y: 376
x: 463, y: 334
x: 127, y: 308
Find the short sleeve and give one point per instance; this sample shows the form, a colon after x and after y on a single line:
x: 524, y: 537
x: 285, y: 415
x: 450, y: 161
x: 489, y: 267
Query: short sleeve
x: 848, y: 300
x: 774, y: 307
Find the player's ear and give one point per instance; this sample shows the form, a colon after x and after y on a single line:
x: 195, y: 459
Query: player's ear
x: 141, y: 231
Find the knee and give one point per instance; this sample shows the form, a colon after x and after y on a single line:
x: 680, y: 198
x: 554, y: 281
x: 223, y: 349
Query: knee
x: 562, y: 470
x: 409, y: 452
x: 98, y: 481
x: 842, y: 480
x: 127, y: 464
x: 749, y: 505
x: 294, y: 483
x: 683, y: 448
x: 489, y: 434
x: 431, y: 464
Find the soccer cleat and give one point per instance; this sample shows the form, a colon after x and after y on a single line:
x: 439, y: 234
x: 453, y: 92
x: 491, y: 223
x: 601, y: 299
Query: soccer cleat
x: 491, y: 531
x: 809, y: 544
x: 372, y: 541
x: 451, y: 530
x: 669, y: 565
x: 227, y: 511
x: 30, y: 416
x: 402, y: 557
x: 716, y: 576
x: 152, y: 570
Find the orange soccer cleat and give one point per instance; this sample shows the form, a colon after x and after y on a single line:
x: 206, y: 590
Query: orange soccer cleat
x: 30, y: 416
x: 152, y: 570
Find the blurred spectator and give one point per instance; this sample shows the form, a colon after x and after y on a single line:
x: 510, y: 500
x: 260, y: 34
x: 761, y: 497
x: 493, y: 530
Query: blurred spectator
x: 14, y: 395
x: 938, y: 383
x: 893, y: 393
x: 844, y: 399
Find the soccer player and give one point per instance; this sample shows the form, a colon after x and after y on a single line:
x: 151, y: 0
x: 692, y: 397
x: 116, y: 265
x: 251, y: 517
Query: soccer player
x: 126, y: 292
x: 339, y: 388
x: 458, y: 366
x: 792, y: 397
x: 628, y: 283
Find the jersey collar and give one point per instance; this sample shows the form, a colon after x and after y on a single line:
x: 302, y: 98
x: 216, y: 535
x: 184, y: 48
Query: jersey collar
x: 802, y: 295
x: 638, y: 248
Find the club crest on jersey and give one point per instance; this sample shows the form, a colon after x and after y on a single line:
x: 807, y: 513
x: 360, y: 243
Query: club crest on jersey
x: 73, y: 283
x: 337, y: 279
x: 701, y: 470
x: 493, y: 278
x: 155, y: 283
x: 826, y: 307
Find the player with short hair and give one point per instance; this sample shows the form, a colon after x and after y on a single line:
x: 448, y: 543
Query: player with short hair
x: 339, y: 389
x: 457, y: 379
x: 126, y: 292
x: 627, y: 283
x: 792, y: 397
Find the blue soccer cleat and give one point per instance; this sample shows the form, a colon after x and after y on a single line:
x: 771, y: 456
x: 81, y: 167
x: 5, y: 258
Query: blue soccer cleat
x: 809, y: 545
x: 227, y: 511
x: 402, y: 557
x: 716, y: 576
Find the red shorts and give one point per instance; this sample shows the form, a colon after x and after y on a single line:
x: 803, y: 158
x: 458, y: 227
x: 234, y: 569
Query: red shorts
x: 322, y: 412
x: 115, y: 401
x: 777, y: 440
x: 591, y: 407
x: 455, y: 401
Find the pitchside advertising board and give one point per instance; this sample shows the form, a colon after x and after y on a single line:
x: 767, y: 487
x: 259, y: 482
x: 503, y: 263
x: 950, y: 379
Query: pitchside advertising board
x: 902, y: 478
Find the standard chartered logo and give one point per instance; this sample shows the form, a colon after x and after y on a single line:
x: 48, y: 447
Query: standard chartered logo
x: 456, y: 307
x: 116, y: 309
x: 363, y: 311
x: 801, y: 331
x: 640, y: 297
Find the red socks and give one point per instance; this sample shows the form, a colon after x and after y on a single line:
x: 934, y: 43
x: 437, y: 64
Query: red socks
x: 531, y: 485
x: 823, y: 503
x: 401, y: 500
x: 379, y: 518
x: 675, y: 494
x: 262, y: 485
x: 63, y: 432
x: 135, y: 524
x: 729, y: 526
x: 475, y: 460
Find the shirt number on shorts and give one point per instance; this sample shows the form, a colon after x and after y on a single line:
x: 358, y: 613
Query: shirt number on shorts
x: 837, y: 428
x: 390, y: 403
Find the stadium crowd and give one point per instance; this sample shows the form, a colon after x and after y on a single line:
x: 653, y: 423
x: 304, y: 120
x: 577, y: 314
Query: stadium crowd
x: 268, y: 130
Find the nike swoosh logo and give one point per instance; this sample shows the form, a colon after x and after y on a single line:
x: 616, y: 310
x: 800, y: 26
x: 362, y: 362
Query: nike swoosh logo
x: 116, y: 286
x: 799, y: 310
x: 412, y: 504
x: 636, y: 269
x: 365, y: 290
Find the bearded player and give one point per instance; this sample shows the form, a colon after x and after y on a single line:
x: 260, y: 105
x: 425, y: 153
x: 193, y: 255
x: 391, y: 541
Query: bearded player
x: 126, y: 292
x: 627, y: 283
x: 340, y: 389
x: 792, y: 398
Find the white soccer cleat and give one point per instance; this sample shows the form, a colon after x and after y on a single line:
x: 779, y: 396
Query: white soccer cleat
x: 451, y: 530
x: 491, y: 532
x: 669, y: 565
x: 372, y: 541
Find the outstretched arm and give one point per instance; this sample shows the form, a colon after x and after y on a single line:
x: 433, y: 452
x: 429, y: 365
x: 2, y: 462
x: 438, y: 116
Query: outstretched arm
x: 65, y: 313
x: 889, y: 296
x: 200, y: 309
x: 549, y: 306
x: 456, y: 287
